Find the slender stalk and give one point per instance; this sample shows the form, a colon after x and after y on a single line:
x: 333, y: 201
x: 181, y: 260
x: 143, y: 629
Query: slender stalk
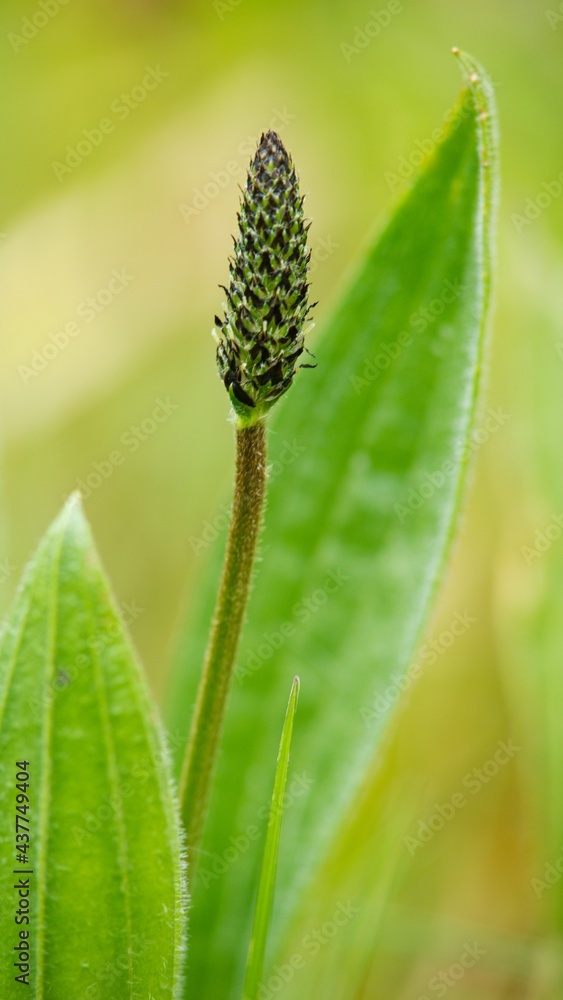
x: 246, y: 517
x: 260, y: 339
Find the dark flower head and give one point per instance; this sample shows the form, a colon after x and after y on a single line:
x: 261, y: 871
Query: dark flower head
x: 261, y: 339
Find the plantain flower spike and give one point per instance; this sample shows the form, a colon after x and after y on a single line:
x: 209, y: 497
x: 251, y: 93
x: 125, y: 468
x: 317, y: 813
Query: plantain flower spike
x: 261, y: 338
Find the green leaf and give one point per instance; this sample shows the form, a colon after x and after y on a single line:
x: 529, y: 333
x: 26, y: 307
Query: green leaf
x: 267, y: 883
x: 105, y: 897
x: 369, y: 455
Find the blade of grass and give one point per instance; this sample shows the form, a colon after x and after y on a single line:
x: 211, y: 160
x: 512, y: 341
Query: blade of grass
x: 267, y: 883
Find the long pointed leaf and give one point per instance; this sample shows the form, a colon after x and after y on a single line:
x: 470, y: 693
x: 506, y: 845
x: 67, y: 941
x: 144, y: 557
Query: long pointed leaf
x: 104, y: 901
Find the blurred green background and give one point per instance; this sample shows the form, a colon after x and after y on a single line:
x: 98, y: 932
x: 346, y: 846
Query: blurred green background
x: 127, y: 128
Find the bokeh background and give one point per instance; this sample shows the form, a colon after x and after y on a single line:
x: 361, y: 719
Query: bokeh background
x: 126, y: 130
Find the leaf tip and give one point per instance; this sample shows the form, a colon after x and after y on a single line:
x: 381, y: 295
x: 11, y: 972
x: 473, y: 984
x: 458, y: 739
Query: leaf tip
x: 72, y: 520
x: 475, y: 73
x: 73, y: 501
x: 73, y: 510
x: 482, y: 94
x: 293, y: 696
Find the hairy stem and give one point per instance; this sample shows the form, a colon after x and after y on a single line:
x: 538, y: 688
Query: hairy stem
x: 246, y: 516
